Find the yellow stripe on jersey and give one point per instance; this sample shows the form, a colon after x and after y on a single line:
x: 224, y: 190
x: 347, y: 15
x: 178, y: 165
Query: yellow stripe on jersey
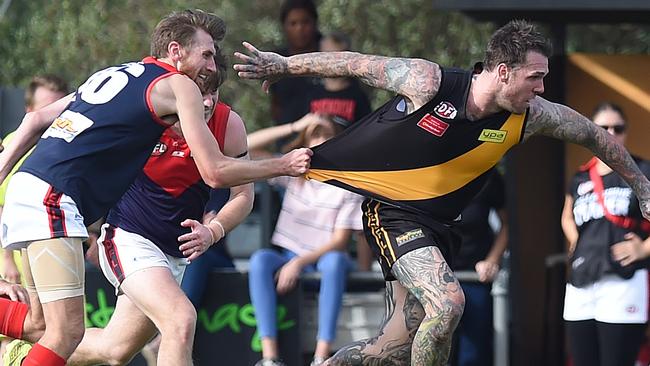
x: 434, y: 181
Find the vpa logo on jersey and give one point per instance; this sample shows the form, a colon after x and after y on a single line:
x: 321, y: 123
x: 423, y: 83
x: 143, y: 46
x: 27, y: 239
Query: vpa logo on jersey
x: 433, y: 125
x: 159, y: 149
x: 446, y: 110
x: 496, y: 136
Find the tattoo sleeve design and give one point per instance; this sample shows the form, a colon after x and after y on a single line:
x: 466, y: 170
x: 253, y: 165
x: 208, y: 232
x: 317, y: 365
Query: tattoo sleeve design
x: 416, y: 79
x: 562, y: 122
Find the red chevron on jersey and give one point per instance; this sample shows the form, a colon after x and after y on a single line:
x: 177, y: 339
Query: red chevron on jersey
x: 171, y: 165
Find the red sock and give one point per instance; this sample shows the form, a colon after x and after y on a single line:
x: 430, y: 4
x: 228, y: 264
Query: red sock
x: 12, y: 317
x: 42, y: 356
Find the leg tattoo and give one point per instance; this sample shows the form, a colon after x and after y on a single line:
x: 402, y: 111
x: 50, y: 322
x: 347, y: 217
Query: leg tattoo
x: 427, y: 276
x: 392, y: 345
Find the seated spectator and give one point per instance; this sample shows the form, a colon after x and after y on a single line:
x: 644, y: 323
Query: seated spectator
x: 312, y: 234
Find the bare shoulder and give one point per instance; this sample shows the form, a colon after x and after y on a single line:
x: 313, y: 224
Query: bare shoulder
x: 235, y: 142
x: 166, y: 93
x: 416, y: 79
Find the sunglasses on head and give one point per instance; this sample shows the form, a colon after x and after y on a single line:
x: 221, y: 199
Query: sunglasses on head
x: 618, y: 129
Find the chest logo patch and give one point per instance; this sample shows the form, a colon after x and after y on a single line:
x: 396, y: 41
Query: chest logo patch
x: 409, y: 236
x: 433, y: 125
x: 446, y: 110
x: 159, y: 149
x: 495, y: 136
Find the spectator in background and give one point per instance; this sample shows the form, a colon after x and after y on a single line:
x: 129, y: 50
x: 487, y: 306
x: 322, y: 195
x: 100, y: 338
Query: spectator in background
x: 312, y: 234
x: 342, y: 96
x: 299, y: 20
x: 481, y: 251
x: 606, y: 300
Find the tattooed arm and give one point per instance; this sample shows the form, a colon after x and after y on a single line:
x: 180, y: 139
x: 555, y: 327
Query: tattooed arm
x: 416, y: 79
x: 562, y: 122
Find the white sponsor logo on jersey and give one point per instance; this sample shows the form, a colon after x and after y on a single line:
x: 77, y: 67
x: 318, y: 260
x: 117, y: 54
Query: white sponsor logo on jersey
x: 446, y: 110
x: 68, y: 126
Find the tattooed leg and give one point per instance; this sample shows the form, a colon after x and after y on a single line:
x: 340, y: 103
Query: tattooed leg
x: 427, y: 276
x: 392, y: 345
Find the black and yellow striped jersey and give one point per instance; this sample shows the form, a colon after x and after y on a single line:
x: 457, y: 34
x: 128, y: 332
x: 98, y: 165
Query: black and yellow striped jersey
x: 432, y: 161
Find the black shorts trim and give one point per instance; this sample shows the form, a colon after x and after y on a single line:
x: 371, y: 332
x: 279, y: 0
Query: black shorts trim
x: 392, y: 232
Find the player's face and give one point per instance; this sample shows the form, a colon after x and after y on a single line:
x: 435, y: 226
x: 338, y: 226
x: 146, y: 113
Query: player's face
x: 42, y: 97
x: 524, y: 82
x: 299, y: 28
x: 613, y: 122
x: 209, y: 104
x: 197, y: 60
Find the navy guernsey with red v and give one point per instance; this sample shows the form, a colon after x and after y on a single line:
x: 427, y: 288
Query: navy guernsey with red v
x: 94, y: 150
x: 168, y: 191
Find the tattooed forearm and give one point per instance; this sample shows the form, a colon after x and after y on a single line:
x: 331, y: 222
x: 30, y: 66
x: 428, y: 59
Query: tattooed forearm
x: 562, y: 122
x: 416, y: 79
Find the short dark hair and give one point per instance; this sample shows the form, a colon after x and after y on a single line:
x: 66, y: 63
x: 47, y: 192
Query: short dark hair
x: 182, y: 26
x: 511, y: 43
x: 608, y: 106
x: 49, y: 81
x: 289, y: 5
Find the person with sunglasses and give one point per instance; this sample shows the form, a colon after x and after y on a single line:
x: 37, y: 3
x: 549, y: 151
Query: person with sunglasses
x: 606, y: 299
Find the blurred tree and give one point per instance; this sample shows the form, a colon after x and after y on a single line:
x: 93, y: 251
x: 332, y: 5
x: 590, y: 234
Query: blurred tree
x: 73, y: 38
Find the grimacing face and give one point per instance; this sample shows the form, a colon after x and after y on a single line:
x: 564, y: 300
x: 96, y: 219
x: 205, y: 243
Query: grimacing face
x: 523, y: 83
x: 197, y: 61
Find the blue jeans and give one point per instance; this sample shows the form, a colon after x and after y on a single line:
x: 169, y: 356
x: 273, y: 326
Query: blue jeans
x: 196, y: 274
x: 333, y: 267
x: 475, y: 331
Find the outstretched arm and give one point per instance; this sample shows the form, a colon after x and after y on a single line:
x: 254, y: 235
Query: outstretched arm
x: 416, y: 79
x: 562, y: 122
x: 28, y: 133
x: 216, y: 169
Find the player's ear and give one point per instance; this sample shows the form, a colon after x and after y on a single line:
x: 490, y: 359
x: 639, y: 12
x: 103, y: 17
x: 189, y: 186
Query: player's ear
x: 174, y: 50
x: 503, y: 72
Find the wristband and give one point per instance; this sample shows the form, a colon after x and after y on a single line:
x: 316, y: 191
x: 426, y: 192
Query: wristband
x: 211, y: 234
x: 223, y: 231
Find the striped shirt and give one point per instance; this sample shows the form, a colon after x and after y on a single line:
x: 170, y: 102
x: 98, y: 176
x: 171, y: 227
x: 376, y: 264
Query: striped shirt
x: 311, y: 211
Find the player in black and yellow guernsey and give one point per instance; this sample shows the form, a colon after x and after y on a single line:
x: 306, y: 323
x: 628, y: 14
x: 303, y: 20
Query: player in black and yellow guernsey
x: 422, y: 156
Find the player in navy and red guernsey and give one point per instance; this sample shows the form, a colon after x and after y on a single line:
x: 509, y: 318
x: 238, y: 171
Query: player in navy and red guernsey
x: 141, y: 238
x: 422, y: 157
x: 84, y: 161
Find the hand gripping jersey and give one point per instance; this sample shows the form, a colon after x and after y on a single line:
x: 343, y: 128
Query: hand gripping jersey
x: 432, y: 161
x: 94, y: 150
x: 169, y: 190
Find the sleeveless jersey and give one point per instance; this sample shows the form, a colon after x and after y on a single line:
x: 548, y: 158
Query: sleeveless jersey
x: 169, y: 190
x: 432, y: 161
x: 94, y: 150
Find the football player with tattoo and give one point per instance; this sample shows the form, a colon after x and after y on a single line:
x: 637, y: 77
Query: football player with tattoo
x: 422, y: 156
